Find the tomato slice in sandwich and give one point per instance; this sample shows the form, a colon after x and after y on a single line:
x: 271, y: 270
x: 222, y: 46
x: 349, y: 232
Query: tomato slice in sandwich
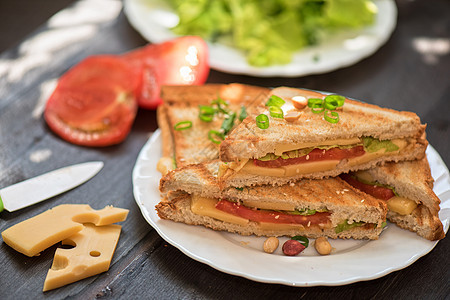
x: 314, y: 155
x: 376, y: 191
x: 181, y: 61
x: 271, y: 216
x: 94, y: 102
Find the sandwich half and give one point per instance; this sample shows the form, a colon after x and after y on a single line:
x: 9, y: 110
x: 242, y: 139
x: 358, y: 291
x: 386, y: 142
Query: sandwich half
x: 312, y: 208
x: 407, y: 188
x: 192, y: 119
x: 359, y: 136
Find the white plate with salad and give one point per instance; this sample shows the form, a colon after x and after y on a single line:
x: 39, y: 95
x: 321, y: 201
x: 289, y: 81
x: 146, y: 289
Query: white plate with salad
x: 158, y: 20
x: 350, y: 261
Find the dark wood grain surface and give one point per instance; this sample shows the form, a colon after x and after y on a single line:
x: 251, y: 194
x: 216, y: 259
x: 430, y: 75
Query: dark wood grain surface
x: 410, y: 72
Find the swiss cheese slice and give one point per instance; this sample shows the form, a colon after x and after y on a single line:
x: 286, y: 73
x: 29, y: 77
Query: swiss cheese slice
x: 34, y: 235
x: 92, y: 253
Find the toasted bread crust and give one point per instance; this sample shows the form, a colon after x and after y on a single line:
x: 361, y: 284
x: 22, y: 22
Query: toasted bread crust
x: 166, y: 135
x: 177, y: 208
x: 356, y: 119
x: 420, y: 221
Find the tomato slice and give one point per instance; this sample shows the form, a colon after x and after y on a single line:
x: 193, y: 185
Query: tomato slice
x: 181, y: 61
x: 376, y: 191
x: 271, y: 216
x: 94, y: 102
x: 314, y: 155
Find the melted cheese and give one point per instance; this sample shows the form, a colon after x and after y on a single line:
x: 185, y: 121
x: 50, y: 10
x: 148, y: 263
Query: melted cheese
x: 207, y: 207
x: 164, y: 165
x: 52, y: 226
x: 92, y: 254
x: 402, y: 206
x: 280, y: 148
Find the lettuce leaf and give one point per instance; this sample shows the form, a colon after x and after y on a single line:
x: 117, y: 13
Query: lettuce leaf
x: 270, y: 31
x: 346, y: 226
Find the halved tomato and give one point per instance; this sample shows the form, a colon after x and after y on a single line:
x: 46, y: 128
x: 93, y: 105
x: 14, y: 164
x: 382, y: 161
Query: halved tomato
x: 181, y: 61
x: 94, y: 102
x: 271, y: 216
x: 314, y: 155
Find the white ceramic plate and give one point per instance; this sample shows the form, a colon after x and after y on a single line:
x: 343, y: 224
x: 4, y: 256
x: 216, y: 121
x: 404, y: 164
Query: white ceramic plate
x: 350, y: 262
x: 154, y: 18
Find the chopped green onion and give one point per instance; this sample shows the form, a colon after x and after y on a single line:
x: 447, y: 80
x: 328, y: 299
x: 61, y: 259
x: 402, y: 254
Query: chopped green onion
x: 327, y: 106
x: 242, y: 114
x: 206, y: 113
x: 276, y: 112
x: 275, y: 101
x: 228, y: 123
x: 183, y: 125
x: 219, y: 102
x: 334, y: 100
x: 303, y: 240
x: 317, y: 110
x: 262, y: 121
x: 315, y: 102
x: 215, y: 136
x: 334, y: 116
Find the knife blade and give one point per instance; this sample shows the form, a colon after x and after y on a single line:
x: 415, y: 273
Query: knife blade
x: 45, y: 186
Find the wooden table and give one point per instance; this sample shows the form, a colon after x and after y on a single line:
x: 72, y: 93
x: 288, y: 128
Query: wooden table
x: 410, y: 72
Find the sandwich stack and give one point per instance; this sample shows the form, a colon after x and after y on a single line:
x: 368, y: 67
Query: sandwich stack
x: 250, y: 160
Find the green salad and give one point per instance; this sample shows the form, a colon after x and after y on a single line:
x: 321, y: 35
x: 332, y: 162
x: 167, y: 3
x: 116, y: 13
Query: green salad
x: 270, y: 31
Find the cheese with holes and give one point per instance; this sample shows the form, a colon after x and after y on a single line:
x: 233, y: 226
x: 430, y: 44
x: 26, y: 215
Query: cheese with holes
x: 92, y: 253
x: 34, y: 235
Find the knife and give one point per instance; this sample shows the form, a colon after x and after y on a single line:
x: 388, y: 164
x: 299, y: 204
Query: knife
x: 42, y: 187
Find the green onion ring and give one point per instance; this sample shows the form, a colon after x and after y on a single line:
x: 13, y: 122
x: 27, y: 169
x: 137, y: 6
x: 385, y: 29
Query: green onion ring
x: 315, y: 102
x: 262, y: 121
x: 276, y: 112
x: 303, y: 240
x: 206, y: 113
x: 334, y: 116
x: 275, y: 101
x: 183, y: 125
x: 335, y: 100
x: 215, y: 133
x: 317, y: 109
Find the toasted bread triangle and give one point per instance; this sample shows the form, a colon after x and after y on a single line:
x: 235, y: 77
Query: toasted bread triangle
x: 356, y: 119
x: 412, y: 180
